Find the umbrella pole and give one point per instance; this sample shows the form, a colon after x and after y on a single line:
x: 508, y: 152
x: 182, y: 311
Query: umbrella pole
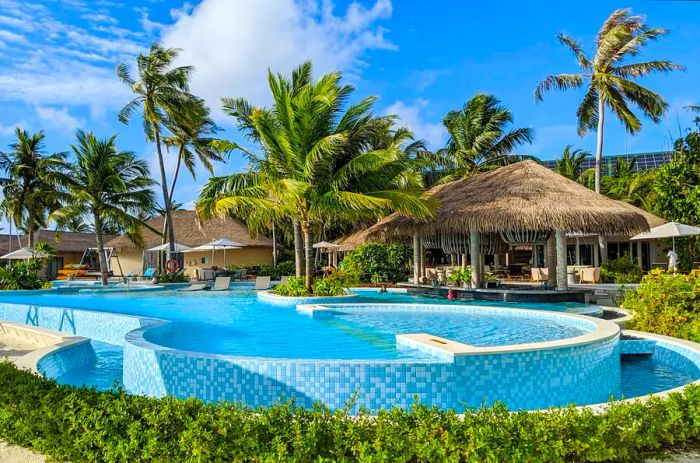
x: 673, y: 240
x: 224, y: 266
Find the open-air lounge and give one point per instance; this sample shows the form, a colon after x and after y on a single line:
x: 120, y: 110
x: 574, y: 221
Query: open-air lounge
x: 501, y: 215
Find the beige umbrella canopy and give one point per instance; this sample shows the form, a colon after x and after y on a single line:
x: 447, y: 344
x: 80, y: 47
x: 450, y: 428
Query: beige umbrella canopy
x: 518, y: 197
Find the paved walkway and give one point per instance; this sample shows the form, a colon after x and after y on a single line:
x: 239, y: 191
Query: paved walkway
x: 13, y: 454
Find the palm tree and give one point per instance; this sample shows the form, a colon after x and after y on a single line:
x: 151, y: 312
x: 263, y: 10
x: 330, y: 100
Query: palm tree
x: 161, y: 92
x: 609, y: 79
x: 478, y: 139
x: 570, y: 165
x: 109, y: 184
x: 75, y: 224
x: 191, y: 131
x: 696, y: 109
x: 316, y: 160
x: 30, y: 190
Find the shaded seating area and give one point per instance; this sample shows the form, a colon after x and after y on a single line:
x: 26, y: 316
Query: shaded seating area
x: 522, y: 204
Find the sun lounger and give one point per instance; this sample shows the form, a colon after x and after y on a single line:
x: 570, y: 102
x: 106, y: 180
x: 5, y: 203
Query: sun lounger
x: 221, y: 284
x: 285, y: 279
x: 195, y: 287
x: 262, y: 282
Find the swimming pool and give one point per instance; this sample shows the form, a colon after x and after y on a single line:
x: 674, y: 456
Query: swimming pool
x: 231, y: 346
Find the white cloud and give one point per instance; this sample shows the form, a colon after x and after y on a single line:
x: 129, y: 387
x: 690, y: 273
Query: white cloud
x: 233, y: 43
x: 67, y: 66
x: 410, y: 115
x: 99, y: 18
x: 9, y: 129
x: 58, y: 118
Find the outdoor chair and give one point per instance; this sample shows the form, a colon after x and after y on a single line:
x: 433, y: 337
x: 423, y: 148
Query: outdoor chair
x: 236, y: 274
x: 589, y: 275
x: 285, y: 279
x: 262, y: 282
x: 221, y: 284
x: 243, y: 274
x: 195, y: 287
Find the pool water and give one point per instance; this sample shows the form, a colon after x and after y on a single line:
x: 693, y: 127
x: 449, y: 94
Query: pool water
x: 237, y: 323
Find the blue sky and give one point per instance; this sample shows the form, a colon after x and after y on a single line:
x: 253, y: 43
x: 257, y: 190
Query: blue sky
x: 421, y: 58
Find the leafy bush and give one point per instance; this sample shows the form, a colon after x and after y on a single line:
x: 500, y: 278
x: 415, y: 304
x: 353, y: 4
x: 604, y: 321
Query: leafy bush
x: 21, y: 275
x: 84, y: 425
x: 621, y: 270
x: 328, y: 287
x: 295, y: 287
x: 460, y: 275
x: 666, y: 303
x: 173, y: 278
x: 274, y: 271
x: 344, y: 278
x: 390, y: 260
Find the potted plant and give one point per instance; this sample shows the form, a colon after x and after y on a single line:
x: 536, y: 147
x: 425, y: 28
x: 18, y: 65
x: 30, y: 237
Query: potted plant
x: 461, y: 277
x: 491, y: 280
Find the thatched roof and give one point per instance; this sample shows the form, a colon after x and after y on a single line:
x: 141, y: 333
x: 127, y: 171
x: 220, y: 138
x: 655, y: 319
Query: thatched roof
x: 521, y: 196
x: 353, y: 240
x: 64, y: 241
x: 190, y: 232
x: 652, y: 220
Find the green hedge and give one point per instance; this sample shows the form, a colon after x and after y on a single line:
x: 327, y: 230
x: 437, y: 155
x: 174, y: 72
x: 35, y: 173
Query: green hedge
x: 83, y: 425
x: 666, y: 303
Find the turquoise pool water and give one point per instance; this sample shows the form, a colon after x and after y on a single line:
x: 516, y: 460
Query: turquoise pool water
x: 237, y: 323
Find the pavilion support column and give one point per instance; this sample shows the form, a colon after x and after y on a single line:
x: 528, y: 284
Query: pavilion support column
x: 603, y: 244
x: 535, y: 257
x: 422, y: 260
x: 416, y: 257
x: 639, y: 254
x: 475, y: 256
x: 560, y: 238
x: 596, y: 254
x: 578, y: 252
x: 550, y: 258
x: 495, y: 261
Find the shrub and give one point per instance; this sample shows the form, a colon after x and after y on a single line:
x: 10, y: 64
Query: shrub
x: 173, y: 278
x: 460, y: 275
x: 274, y: 271
x: 344, y: 278
x: 621, y: 270
x: 328, y: 287
x: 84, y: 425
x: 389, y: 260
x: 295, y: 287
x: 666, y: 303
x: 21, y: 275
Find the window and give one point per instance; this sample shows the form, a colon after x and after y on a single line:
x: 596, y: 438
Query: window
x: 204, y: 260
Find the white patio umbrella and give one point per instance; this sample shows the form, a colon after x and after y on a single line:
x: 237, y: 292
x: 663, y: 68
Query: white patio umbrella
x: 217, y: 244
x: 165, y: 247
x: 668, y: 230
x: 23, y: 254
x: 330, y: 248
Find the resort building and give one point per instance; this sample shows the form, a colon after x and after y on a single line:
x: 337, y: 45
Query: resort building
x: 191, y: 232
x: 70, y: 247
x: 642, y: 161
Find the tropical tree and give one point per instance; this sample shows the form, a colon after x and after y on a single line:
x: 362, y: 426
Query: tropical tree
x: 609, y: 78
x: 570, y: 165
x: 479, y: 139
x: 696, y: 109
x: 30, y: 189
x: 161, y: 93
x: 316, y: 160
x: 191, y: 131
x: 75, y: 224
x: 109, y: 185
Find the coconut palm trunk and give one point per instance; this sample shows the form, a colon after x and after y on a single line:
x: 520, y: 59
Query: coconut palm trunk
x: 166, y: 222
x: 298, y: 252
x: 104, y: 268
x: 602, y: 242
x: 309, y: 255
x: 166, y: 196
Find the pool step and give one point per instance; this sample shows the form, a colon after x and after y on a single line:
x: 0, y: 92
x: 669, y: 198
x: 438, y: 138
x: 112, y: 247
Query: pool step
x: 635, y: 346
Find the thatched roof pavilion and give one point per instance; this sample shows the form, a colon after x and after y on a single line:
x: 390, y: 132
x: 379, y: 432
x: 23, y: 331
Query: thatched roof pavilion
x: 518, y: 197
x: 353, y: 240
x: 523, y: 198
